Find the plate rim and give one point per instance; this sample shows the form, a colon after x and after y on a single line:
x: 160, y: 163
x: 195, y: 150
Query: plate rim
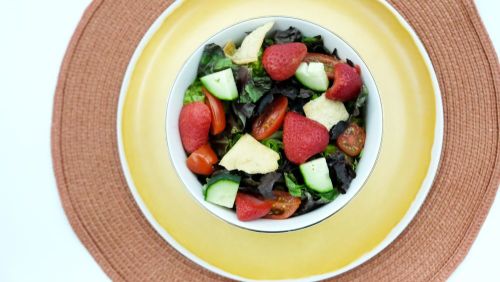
x: 413, y: 209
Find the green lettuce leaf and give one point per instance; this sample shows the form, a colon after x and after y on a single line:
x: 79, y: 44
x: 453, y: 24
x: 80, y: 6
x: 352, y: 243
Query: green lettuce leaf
x: 327, y: 197
x: 330, y: 149
x: 256, y: 88
x: 257, y: 67
x: 253, y: 81
x: 274, y: 144
x: 194, y: 93
x: 294, y: 188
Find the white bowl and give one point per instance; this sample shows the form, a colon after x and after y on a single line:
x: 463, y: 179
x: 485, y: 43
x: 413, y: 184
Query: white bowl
x: 373, y: 125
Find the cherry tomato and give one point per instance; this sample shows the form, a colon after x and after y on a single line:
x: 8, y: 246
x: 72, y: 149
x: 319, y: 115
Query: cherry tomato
x: 249, y: 207
x: 328, y: 61
x: 217, y: 110
x: 271, y: 119
x: 283, y: 206
x: 352, y: 140
x: 202, y: 160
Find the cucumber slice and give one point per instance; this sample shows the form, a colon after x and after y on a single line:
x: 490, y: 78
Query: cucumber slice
x: 221, y: 84
x: 222, y: 189
x: 313, y: 76
x: 316, y: 175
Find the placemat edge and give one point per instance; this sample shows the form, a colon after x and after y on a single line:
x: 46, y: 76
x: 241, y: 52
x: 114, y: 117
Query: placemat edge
x: 489, y: 197
x: 57, y: 157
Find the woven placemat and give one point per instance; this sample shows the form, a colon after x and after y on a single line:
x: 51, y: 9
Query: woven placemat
x: 105, y: 217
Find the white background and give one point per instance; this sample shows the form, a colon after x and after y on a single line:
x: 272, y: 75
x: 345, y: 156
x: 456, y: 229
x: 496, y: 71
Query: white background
x: 36, y: 240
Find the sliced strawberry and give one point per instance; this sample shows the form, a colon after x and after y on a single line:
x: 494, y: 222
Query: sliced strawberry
x: 346, y: 85
x: 194, y: 125
x: 358, y: 69
x: 250, y: 208
x: 282, y: 60
x: 303, y: 138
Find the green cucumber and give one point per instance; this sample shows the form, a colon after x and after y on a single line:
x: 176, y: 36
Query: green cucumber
x: 313, y: 76
x: 316, y: 175
x: 222, y: 189
x: 221, y: 84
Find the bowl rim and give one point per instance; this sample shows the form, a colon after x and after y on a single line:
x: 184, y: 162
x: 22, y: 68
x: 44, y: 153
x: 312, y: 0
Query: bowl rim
x: 378, y: 104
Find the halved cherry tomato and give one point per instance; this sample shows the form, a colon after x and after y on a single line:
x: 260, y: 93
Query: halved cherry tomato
x: 328, y: 61
x: 249, y: 207
x: 352, y: 140
x: 202, y: 160
x: 217, y: 110
x: 283, y: 206
x: 271, y: 119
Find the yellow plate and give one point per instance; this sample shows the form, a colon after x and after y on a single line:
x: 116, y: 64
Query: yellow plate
x: 393, y: 193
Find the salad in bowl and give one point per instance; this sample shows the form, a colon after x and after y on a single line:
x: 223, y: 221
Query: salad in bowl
x: 273, y: 127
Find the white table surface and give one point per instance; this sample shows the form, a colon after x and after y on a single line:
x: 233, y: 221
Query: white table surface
x: 36, y: 240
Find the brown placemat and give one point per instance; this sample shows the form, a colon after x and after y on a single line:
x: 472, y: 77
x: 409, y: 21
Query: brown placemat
x: 105, y: 217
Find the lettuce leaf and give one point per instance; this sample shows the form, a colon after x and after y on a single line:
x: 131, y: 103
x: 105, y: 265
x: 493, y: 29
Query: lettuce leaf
x: 252, y: 81
x: 257, y: 67
x: 337, y: 130
x: 315, y: 44
x: 292, y: 89
x: 256, y: 88
x: 194, y: 93
x: 267, y: 182
x: 363, y: 96
x: 288, y: 35
x: 330, y: 149
x: 274, y: 144
x: 213, y: 60
x: 263, y: 102
x: 223, y: 143
x: 324, y: 198
x: 294, y: 188
x: 360, y: 101
x: 267, y: 42
x: 243, y: 111
x: 251, y: 86
x: 341, y: 170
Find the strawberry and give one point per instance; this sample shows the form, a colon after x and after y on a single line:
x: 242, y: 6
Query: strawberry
x: 282, y: 60
x: 346, y: 84
x: 250, y: 208
x: 194, y: 125
x: 303, y: 138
